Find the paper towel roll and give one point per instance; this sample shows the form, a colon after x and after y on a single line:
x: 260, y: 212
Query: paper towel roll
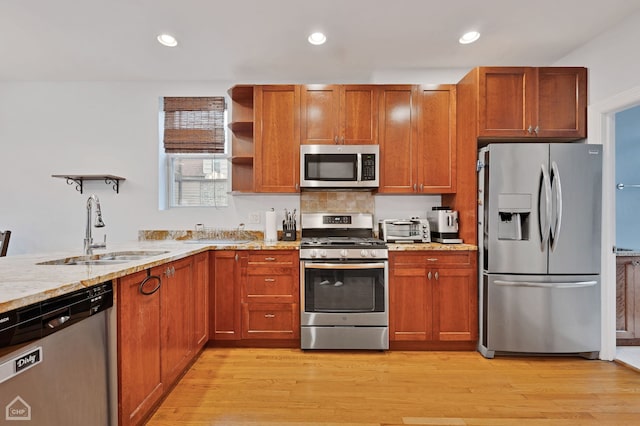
x: 270, y: 227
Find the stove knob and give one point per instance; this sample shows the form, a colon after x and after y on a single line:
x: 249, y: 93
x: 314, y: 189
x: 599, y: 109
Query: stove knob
x: 323, y: 253
x: 363, y: 253
x: 313, y: 253
x: 374, y: 253
x: 344, y: 253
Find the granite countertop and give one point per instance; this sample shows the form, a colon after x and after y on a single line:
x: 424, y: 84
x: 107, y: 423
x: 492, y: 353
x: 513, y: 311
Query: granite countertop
x: 431, y: 246
x: 23, y: 281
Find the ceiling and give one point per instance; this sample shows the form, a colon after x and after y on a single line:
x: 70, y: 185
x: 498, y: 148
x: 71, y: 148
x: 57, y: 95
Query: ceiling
x: 265, y: 40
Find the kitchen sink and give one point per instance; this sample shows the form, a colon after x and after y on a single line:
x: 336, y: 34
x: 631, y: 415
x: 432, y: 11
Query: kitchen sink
x: 112, y: 258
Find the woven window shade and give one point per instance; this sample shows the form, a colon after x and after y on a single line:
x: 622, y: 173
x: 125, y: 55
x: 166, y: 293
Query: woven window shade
x: 194, y: 125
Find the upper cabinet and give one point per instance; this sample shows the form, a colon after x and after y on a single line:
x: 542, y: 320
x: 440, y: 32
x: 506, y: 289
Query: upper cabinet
x: 417, y: 137
x: 277, y: 138
x: 339, y: 114
x: 265, y: 138
x: 519, y: 103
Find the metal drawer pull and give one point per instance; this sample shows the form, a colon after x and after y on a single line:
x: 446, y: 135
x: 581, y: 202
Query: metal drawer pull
x: 269, y: 316
x: 432, y: 259
x: 576, y: 284
x: 269, y: 259
x: 269, y: 280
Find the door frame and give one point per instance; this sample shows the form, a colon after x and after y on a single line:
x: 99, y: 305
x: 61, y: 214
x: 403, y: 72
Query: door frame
x: 602, y: 131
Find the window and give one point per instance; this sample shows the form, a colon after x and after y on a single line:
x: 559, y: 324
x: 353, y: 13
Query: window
x: 196, y: 151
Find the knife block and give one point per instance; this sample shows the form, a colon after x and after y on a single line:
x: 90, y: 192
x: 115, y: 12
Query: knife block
x: 288, y: 233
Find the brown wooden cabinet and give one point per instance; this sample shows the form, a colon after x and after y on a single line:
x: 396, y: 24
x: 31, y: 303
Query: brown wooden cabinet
x: 200, y: 300
x: 526, y: 102
x: 628, y: 300
x: 225, y: 318
x: 339, y: 114
x: 433, y: 297
x: 417, y: 139
x: 140, y: 384
x: 176, y: 318
x: 270, y: 294
x: 277, y: 138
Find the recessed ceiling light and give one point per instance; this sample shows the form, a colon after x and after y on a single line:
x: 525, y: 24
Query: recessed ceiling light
x: 469, y: 37
x: 167, y: 40
x: 317, y: 38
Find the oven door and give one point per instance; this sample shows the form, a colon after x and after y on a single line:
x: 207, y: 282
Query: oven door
x: 344, y: 293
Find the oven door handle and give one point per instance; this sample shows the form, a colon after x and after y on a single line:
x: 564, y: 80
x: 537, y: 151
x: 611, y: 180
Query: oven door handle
x: 380, y: 265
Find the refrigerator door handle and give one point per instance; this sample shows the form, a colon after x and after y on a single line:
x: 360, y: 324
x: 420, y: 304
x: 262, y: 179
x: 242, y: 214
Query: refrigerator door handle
x: 575, y: 284
x: 557, y: 184
x: 546, y: 229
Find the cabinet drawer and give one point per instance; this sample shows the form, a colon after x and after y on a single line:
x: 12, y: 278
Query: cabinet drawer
x: 435, y: 258
x: 273, y: 257
x: 270, y: 321
x: 271, y: 285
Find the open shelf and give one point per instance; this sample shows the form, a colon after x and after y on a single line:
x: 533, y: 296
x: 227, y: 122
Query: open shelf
x: 78, y: 180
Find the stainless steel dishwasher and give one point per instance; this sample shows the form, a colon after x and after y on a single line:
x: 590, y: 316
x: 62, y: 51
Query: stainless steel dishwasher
x: 54, y: 360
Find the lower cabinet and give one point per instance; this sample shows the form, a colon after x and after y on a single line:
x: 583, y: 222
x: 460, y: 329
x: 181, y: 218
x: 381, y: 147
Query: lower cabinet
x: 225, y: 294
x: 433, y: 297
x: 140, y: 384
x: 176, y: 320
x: 162, y: 323
x: 628, y: 300
x: 255, y: 296
x: 270, y: 295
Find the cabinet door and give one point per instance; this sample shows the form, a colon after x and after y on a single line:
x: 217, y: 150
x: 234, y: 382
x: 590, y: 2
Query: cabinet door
x: 358, y: 115
x: 437, y: 139
x: 226, y: 295
x: 455, y: 313
x: 562, y: 103
x: 277, y: 138
x: 200, y: 300
x: 627, y: 295
x: 410, y: 303
x: 176, y: 316
x: 319, y: 123
x: 398, y: 140
x: 506, y: 100
x: 140, y: 383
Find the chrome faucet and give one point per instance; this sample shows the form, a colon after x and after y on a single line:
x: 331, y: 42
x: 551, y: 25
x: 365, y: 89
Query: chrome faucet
x: 88, y: 238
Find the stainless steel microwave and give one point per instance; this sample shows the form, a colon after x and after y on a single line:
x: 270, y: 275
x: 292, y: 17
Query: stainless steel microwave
x: 339, y: 166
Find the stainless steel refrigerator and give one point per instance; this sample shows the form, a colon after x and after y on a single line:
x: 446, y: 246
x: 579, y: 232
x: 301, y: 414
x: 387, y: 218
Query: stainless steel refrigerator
x: 539, y: 240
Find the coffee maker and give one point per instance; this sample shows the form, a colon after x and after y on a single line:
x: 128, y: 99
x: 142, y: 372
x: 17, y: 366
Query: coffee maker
x: 443, y: 224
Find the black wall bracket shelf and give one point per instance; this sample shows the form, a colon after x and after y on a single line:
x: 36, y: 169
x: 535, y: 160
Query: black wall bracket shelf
x: 78, y: 180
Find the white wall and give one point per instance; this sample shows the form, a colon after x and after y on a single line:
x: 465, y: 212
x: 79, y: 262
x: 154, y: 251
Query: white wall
x: 612, y: 59
x: 93, y: 128
x: 107, y: 128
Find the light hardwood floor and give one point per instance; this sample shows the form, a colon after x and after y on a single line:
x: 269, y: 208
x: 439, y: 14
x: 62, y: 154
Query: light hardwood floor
x: 269, y: 387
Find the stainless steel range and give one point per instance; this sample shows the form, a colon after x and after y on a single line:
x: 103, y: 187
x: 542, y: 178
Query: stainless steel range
x: 343, y: 283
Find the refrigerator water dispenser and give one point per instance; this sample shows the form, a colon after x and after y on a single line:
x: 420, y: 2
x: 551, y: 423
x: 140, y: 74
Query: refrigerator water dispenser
x: 513, y: 226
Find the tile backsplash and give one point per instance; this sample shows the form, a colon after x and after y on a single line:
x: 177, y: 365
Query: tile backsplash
x: 337, y: 202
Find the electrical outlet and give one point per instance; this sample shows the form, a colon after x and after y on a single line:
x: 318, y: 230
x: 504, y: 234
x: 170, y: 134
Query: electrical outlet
x: 254, y: 217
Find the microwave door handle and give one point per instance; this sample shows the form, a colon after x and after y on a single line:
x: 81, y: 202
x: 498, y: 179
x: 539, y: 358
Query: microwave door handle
x: 358, y: 168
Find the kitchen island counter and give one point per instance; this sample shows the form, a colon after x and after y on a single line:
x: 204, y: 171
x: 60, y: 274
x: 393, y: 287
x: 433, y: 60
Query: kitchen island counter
x: 23, y: 281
